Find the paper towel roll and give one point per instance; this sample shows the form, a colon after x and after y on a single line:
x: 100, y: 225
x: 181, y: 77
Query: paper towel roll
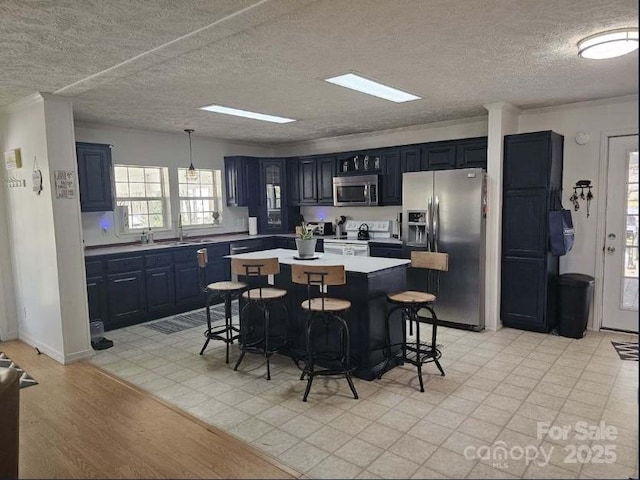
x: 253, y: 225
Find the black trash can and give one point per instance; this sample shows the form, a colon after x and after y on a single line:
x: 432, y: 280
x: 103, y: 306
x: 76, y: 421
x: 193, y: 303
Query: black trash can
x: 575, y: 293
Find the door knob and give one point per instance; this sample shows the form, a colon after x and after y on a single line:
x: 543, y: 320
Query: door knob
x: 611, y: 249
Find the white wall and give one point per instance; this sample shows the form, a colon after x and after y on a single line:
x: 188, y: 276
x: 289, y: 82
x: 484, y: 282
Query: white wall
x: 139, y: 147
x: 44, y: 232
x: 470, y: 127
x: 596, y: 118
x: 8, y: 317
x: 68, y: 232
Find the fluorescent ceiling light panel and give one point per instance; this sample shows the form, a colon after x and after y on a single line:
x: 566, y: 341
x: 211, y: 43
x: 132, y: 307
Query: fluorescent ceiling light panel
x: 246, y: 114
x: 360, y: 84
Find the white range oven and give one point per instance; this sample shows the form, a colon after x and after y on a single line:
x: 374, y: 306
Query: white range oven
x: 358, y: 248
x: 350, y: 244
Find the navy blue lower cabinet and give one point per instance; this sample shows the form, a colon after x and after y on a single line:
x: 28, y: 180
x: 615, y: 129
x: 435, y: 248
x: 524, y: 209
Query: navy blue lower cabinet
x: 524, y: 294
x: 385, y: 251
x: 97, y: 299
x: 160, y: 287
x: 127, y: 300
x: 218, y: 270
x: 188, y: 285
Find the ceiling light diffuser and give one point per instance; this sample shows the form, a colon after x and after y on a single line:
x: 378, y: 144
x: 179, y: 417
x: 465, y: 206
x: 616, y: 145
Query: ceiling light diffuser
x: 246, y: 114
x: 609, y: 44
x: 364, y: 85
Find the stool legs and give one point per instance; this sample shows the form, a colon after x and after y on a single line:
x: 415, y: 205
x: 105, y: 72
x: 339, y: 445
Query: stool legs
x: 423, y: 353
x: 345, y: 357
x: 266, y: 319
x: 228, y: 321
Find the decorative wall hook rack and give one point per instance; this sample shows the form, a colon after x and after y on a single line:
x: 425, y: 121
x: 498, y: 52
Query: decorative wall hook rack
x: 581, y: 185
x: 15, y: 182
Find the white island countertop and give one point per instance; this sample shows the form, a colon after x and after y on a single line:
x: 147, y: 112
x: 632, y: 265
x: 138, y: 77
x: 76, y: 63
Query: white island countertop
x: 351, y: 263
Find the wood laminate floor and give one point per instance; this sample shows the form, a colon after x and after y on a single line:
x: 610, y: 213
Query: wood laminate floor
x: 79, y: 422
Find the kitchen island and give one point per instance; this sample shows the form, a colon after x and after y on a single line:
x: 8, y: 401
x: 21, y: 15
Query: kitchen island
x: 369, y: 280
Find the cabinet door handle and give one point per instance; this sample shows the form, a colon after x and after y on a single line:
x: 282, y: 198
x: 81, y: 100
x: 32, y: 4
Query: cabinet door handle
x: 120, y: 280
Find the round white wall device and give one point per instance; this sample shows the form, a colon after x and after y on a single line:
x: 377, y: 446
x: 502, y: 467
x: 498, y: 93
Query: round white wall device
x: 582, y: 138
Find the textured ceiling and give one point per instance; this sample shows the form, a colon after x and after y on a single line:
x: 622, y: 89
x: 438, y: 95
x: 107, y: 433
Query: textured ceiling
x: 150, y: 63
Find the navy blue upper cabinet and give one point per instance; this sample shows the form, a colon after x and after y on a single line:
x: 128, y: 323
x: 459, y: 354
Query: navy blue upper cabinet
x: 438, y: 156
x: 391, y: 177
x: 241, y: 175
x: 293, y: 190
x: 273, y: 188
x: 327, y: 169
x: 307, y: 181
x: 410, y: 158
x: 315, y: 180
x: 527, y: 159
x: 95, y: 177
x: 472, y: 153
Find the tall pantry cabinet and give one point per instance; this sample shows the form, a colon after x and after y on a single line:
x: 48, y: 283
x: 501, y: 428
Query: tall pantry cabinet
x: 532, y: 176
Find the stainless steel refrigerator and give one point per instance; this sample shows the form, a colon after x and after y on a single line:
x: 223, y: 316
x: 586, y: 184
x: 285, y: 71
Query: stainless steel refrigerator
x: 444, y: 211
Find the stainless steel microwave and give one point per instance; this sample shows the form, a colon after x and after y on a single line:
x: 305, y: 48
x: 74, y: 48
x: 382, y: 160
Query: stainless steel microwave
x: 361, y: 190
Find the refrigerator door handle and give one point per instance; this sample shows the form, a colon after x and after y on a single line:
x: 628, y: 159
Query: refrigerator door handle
x: 428, y: 228
x: 436, y: 224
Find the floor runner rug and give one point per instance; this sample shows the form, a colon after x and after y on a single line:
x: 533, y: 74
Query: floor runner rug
x: 26, y: 380
x: 626, y: 350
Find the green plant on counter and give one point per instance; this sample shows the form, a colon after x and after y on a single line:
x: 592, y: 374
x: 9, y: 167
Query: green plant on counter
x: 306, y: 232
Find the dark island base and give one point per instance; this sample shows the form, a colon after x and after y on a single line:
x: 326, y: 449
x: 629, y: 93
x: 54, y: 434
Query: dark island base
x: 366, y: 318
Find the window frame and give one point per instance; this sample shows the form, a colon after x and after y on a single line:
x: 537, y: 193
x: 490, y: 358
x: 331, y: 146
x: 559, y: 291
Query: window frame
x: 126, y: 227
x: 216, y: 184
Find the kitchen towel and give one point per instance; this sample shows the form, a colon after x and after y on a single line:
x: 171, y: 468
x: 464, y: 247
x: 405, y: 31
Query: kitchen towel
x: 253, y: 225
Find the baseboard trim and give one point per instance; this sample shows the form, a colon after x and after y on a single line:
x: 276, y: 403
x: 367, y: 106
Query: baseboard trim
x: 42, y: 347
x: 77, y: 356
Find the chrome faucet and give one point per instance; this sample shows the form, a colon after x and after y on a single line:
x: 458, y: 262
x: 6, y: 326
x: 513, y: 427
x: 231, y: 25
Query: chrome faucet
x: 180, y: 232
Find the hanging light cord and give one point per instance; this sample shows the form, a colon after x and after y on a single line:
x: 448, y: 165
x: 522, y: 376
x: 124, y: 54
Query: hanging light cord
x: 191, y: 172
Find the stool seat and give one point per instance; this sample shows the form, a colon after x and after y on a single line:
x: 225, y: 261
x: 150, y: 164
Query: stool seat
x: 267, y: 293
x: 226, y: 286
x: 330, y: 305
x: 411, y: 296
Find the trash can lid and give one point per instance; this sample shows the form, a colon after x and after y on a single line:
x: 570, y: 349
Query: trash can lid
x: 576, y: 280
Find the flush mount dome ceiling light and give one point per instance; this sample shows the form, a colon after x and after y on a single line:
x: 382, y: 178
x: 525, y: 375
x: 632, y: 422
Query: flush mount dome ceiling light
x: 609, y: 44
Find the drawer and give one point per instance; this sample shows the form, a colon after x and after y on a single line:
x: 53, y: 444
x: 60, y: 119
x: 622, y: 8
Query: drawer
x: 127, y: 264
x: 94, y: 268
x: 186, y: 255
x: 387, y: 252
x: 157, y: 260
x: 215, y: 250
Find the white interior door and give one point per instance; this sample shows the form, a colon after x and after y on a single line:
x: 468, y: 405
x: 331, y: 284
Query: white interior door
x: 620, y: 292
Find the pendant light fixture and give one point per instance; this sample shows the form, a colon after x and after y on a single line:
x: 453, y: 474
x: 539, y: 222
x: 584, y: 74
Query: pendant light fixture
x: 192, y: 173
x: 609, y: 44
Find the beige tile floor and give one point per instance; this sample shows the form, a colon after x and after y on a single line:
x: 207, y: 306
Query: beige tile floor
x: 498, y: 389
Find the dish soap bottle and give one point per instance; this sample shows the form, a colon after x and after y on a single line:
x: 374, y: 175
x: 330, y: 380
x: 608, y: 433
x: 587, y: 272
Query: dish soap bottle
x: 144, y: 238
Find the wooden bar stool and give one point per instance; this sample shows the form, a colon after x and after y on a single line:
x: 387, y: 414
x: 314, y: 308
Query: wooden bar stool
x: 227, y: 291
x: 324, y: 311
x: 261, y: 299
x: 410, y: 302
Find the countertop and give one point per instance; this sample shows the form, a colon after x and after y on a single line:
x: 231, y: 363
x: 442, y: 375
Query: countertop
x: 232, y: 237
x: 351, y: 263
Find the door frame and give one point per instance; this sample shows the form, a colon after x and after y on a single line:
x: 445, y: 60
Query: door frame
x: 603, y: 174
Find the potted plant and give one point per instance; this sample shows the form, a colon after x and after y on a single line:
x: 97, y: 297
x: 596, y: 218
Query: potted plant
x: 216, y: 216
x: 305, y: 242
